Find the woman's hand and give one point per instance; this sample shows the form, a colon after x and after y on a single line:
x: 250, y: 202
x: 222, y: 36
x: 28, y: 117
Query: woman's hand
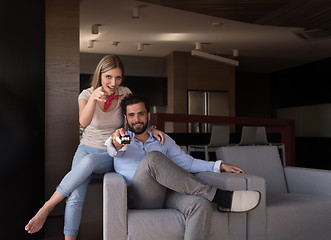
x: 159, y: 135
x: 98, y: 95
x: 230, y: 168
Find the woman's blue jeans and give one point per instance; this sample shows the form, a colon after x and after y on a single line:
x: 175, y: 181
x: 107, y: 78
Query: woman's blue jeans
x: 87, y: 160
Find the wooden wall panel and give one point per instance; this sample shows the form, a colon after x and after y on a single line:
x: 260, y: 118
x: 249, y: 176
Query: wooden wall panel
x: 204, y: 74
x: 186, y: 72
x: 176, y: 67
x: 61, y: 91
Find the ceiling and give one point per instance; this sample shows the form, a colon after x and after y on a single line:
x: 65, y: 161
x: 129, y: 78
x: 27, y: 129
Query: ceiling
x: 270, y: 35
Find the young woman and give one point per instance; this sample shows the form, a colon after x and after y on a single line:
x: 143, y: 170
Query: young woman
x: 100, y: 113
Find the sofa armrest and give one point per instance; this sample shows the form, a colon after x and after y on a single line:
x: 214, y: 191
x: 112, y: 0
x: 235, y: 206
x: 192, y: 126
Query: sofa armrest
x: 308, y: 180
x: 232, y: 181
x: 255, y: 220
x: 114, y: 207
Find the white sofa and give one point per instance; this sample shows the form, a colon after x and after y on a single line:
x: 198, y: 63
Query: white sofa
x: 297, y: 201
x: 121, y: 223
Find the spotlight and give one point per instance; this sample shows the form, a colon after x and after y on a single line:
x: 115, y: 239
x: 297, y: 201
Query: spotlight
x: 90, y: 43
x: 235, y: 52
x: 140, y: 46
x: 198, y: 46
x: 135, y: 12
x: 95, y: 28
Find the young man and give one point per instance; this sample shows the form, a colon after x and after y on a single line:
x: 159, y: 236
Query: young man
x: 150, y: 168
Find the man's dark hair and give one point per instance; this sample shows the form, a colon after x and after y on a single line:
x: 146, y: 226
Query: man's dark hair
x: 131, y: 99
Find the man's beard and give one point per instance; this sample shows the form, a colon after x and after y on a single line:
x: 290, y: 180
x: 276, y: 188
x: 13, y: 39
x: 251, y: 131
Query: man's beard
x: 139, y: 130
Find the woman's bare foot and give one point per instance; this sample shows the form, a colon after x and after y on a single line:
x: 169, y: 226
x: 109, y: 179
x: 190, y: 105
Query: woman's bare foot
x: 37, y: 222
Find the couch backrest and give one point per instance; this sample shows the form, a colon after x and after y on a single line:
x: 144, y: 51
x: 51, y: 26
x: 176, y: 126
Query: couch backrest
x: 263, y: 161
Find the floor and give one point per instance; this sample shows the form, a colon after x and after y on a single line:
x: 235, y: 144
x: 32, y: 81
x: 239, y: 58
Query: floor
x: 53, y: 229
x: 91, y: 223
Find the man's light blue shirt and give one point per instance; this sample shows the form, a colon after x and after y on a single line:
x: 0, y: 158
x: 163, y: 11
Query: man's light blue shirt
x: 127, y: 159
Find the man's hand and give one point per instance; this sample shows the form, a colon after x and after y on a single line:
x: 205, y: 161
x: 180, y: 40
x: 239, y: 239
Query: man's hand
x: 230, y: 168
x: 117, y: 135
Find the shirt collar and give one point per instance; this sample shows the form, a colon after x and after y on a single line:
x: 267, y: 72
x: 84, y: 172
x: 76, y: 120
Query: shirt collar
x: 132, y: 134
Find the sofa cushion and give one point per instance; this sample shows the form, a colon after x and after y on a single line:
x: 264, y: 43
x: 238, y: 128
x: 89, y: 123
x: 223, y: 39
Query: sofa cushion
x: 298, y: 216
x: 227, y: 226
x: 263, y: 161
x: 160, y: 224
x: 166, y: 224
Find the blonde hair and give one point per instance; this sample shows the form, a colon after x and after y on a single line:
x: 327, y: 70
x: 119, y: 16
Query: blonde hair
x: 107, y: 63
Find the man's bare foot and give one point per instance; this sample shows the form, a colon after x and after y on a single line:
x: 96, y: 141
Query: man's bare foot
x: 37, y: 222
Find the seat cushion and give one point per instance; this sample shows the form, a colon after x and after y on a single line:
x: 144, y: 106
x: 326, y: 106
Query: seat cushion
x: 298, y: 216
x: 169, y: 224
x: 227, y: 226
x: 160, y: 224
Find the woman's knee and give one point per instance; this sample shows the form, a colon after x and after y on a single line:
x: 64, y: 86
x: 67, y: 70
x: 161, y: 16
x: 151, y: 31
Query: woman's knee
x: 76, y: 198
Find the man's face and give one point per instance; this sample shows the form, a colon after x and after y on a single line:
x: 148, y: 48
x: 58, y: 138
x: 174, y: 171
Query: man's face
x: 137, y: 118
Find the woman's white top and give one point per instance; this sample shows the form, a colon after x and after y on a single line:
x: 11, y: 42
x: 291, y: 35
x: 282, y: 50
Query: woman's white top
x: 103, y: 124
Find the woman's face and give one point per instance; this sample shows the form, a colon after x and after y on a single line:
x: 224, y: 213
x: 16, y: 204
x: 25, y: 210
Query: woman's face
x: 110, y: 80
